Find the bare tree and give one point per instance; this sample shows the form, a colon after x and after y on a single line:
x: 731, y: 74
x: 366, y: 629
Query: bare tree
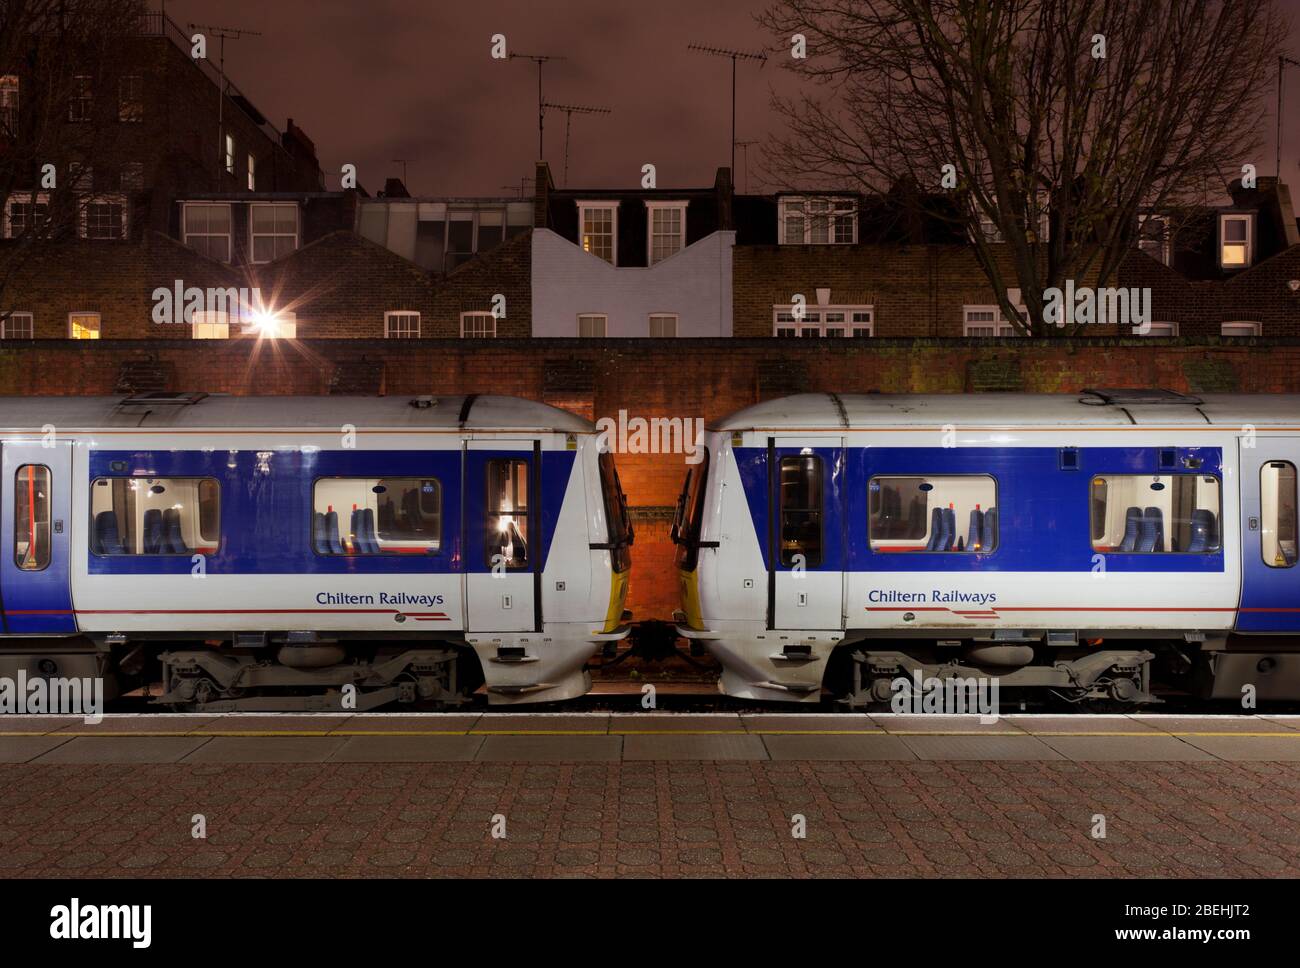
x: 61, y: 63
x: 1062, y: 120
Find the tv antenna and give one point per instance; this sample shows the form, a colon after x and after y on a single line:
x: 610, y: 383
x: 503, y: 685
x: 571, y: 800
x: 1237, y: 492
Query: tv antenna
x: 403, y: 162
x: 233, y: 33
x: 520, y: 188
x: 744, y: 152
x: 735, y: 55
x: 569, y: 111
x: 539, y: 60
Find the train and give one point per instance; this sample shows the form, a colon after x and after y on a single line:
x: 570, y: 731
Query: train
x: 294, y: 553
x: 1101, y: 550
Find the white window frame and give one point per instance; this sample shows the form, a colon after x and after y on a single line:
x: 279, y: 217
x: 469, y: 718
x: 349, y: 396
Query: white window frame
x: 23, y: 198
x: 612, y: 207
x: 1162, y: 329
x: 210, y: 325
x: 478, y: 315
x: 650, y: 325
x: 651, y: 209
x: 7, y: 324
x: 252, y: 172
x: 818, y: 318
x: 99, y: 329
x: 1002, y: 327
x: 391, y: 315
x: 1255, y: 329
x: 849, y: 209
x: 125, y: 112
x: 10, y: 103
x: 105, y: 198
x: 604, y: 325
x: 230, y: 154
x: 1248, y: 219
x: 1166, y: 247
x: 253, y: 237
x: 83, y: 100
x: 186, y: 235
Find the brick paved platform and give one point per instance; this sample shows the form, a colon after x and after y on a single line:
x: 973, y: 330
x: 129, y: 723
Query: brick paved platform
x: 651, y: 795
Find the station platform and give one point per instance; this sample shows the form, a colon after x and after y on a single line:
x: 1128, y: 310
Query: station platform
x: 650, y: 794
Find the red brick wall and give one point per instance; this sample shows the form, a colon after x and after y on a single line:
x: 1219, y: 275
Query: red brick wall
x: 660, y: 378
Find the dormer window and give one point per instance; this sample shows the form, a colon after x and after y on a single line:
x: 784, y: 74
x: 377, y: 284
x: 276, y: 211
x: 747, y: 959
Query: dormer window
x: 666, y: 228
x: 1153, y: 237
x: 598, y: 230
x: 1236, y: 241
x: 818, y: 220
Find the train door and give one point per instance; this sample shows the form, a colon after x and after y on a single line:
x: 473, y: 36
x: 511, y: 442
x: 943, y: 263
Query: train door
x: 503, y: 540
x: 35, y: 514
x: 1270, y: 574
x: 806, y: 557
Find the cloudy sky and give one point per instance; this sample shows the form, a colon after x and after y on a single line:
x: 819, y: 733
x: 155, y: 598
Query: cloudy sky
x: 375, y: 80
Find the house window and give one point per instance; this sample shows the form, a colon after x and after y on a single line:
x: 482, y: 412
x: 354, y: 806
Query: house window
x: 666, y: 224
x: 104, y: 217
x: 273, y: 229
x: 1162, y: 330
x: 985, y: 321
x: 1153, y: 514
x: 83, y: 325
x: 599, y: 230
x: 818, y: 220
x: 592, y: 324
x: 478, y: 325
x: 207, y: 229
x: 1153, y: 237
x: 947, y: 512
x: 130, y: 177
x: 25, y: 214
x: 9, y: 90
x: 210, y: 325
x: 252, y: 173
x: 230, y: 154
x: 81, y: 99
x: 18, y: 326
x: 130, y: 97
x: 832, y: 321
x: 1240, y: 329
x: 1235, y: 240
x: 663, y: 324
x: 401, y: 325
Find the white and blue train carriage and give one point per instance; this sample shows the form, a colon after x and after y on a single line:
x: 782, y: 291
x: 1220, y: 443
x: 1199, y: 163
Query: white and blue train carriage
x: 290, y: 552
x: 1063, y: 544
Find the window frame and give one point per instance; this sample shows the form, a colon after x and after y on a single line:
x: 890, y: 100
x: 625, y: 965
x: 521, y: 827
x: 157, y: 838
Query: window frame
x: 10, y: 104
x: 650, y: 323
x: 478, y: 313
x: 999, y: 322
x: 110, y: 200
x: 229, y: 153
x: 390, y: 314
x: 1248, y: 219
x: 1109, y: 478
x: 1165, y: 241
x: 1171, y: 333
x: 815, y: 317
x: 33, y: 200
x: 1295, y: 507
x: 200, y: 478
x: 81, y: 102
x: 925, y: 478
x: 652, y: 209
x: 254, y: 236
x: 612, y: 207
x: 490, y: 511
x: 429, y: 553
x: 252, y: 172
x: 49, y: 506
x: 213, y: 324
x: 819, y: 510
x: 604, y: 325
x: 130, y: 109
x: 1257, y: 329
x: 99, y: 329
x: 9, y: 320
x: 833, y: 214
x: 229, y: 236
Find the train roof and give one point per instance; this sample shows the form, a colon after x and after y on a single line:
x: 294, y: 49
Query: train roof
x: 198, y: 411
x: 1089, y: 408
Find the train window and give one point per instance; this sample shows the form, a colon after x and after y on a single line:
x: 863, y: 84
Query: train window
x: 1156, y: 513
x: 376, y: 516
x: 1277, y: 499
x: 801, y: 509
x: 155, y: 515
x: 507, y: 513
x: 944, y: 512
x: 620, y: 529
x: 32, y: 517
x: 690, y: 514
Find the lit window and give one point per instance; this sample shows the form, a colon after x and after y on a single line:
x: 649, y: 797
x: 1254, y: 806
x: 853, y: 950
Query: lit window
x: 376, y: 516
x: 592, y: 324
x: 818, y: 220
x: 274, y: 230
x: 230, y: 154
x: 264, y: 324
x: 599, y: 230
x: 829, y: 321
x: 663, y: 324
x: 155, y: 516
x: 104, y: 217
x: 801, y: 509
x: 207, y: 229
x: 26, y: 214
x: 1240, y: 329
x: 130, y: 98
x: 211, y: 325
x: 478, y: 325
x: 81, y: 98
x: 1151, y: 514
x: 18, y: 326
x: 667, y: 228
x: 1277, y: 496
x: 506, y: 507
x: 986, y: 321
x: 9, y: 98
x: 32, y: 517
x: 1235, y: 240
x: 948, y: 513
x: 252, y: 173
x: 83, y: 325
x: 401, y: 325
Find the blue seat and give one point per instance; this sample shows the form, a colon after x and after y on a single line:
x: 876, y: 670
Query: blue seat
x: 975, y: 531
x: 936, y: 530
x: 989, y: 536
x: 319, y: 542
x: 1202, y: 526
x: 368, y: 530
x: 949, y: 529
x: 153, y: 532
x: 1132, y: 525
x: 1152, y: 531
x: 173, y: 540
x: 107, y: 541
x: 333, y: 544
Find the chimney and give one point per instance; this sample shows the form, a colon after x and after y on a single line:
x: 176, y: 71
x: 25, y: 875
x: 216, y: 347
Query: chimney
x: 395, y: 188
x: 724, y: 194
x: 303, y: 151
x: 542, y: 188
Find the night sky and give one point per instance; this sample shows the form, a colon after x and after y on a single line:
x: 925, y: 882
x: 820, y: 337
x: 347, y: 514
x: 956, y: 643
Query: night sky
x: 375, y: 80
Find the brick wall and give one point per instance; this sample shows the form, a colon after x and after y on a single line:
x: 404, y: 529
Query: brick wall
x: 661, y: 378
